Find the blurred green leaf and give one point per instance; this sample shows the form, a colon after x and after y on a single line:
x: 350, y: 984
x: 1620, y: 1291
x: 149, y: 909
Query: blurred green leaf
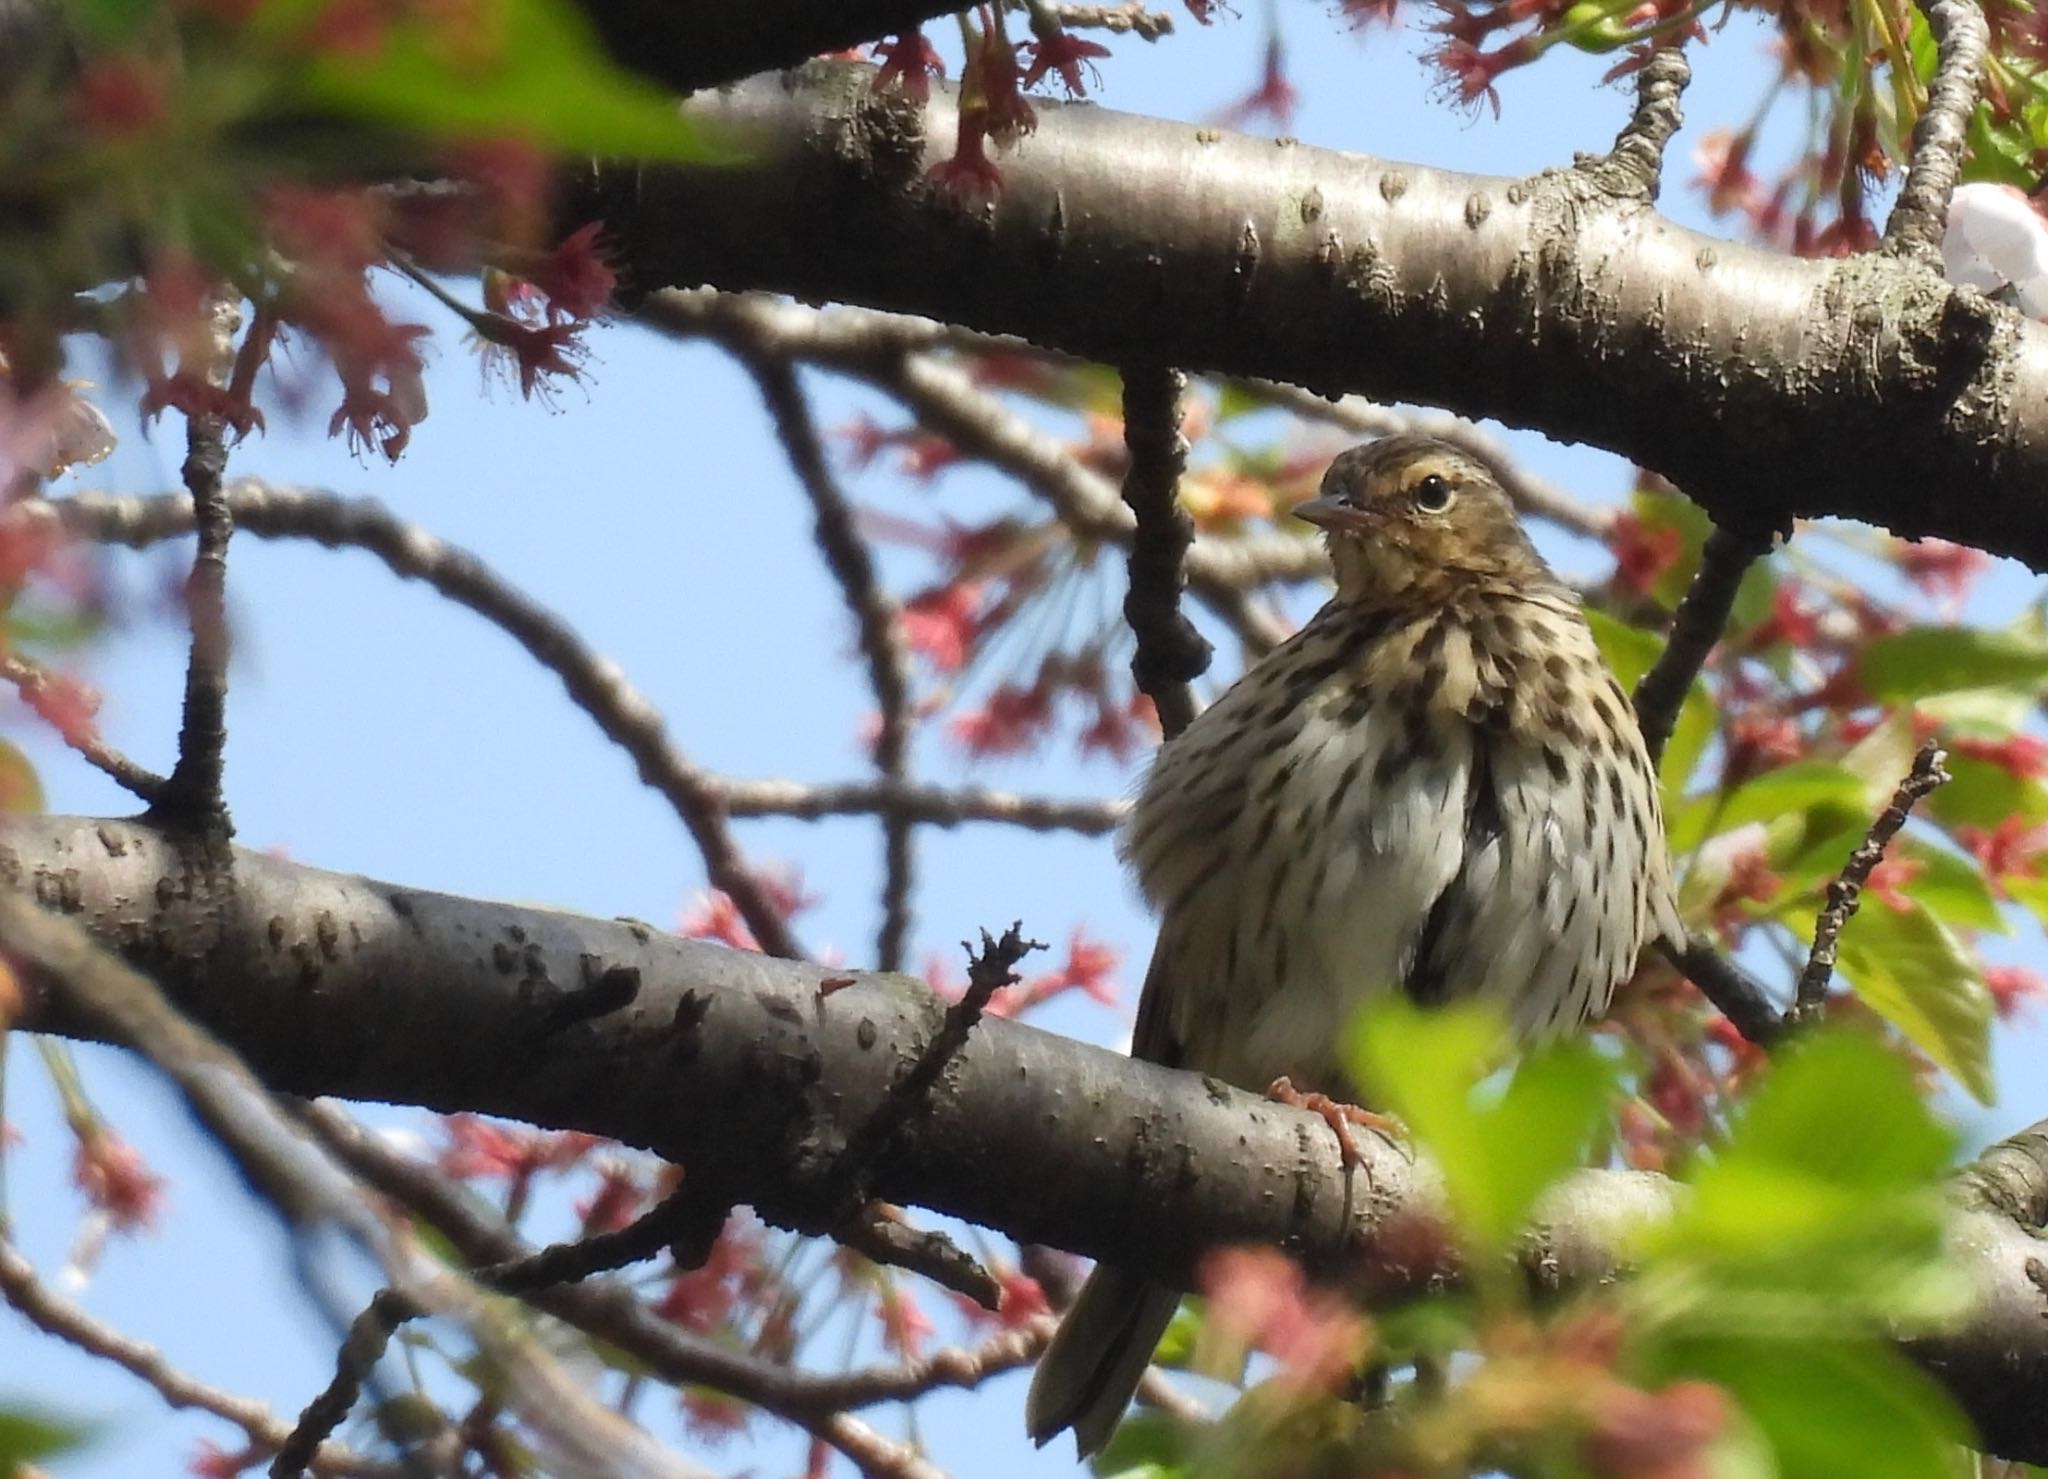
x: 1831, y: 1408
x: 1496, y: 1152
x: 1796, y: 789
x: 1981, y: 793
x: 108, y: 21
x: 1950, y: 887
x: 1630, y: 651
x: 1922, y: 661
x: 1911, y: 970
x: 1821, y: 1214
x: 532, y: 69
x: 1146, y: 1445
x: 21, y: 789
x: 28, y: 1437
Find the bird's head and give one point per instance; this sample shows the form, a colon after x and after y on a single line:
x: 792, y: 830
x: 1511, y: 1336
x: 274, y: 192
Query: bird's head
x: 1410, y: 515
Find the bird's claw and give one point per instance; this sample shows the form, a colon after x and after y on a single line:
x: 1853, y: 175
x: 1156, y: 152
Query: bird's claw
x: 1340, y: 1117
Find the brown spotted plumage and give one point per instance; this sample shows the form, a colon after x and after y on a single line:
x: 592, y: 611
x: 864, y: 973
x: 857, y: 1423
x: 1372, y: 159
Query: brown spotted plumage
x: 1436, y: 786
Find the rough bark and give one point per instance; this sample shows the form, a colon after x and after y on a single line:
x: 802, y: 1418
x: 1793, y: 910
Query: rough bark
x: 738, y: 1065
x: 1764, y: 385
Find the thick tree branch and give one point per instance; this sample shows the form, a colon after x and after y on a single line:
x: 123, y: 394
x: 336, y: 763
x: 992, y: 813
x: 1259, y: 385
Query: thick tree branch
x: 1920, y: 215
x: 334, y: 984
x: 1549, y: 302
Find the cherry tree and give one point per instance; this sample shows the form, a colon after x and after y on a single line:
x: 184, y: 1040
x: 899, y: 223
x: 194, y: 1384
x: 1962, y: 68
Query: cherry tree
x: 1731, y: 1232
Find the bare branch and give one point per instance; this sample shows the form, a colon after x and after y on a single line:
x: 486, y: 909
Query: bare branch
x: 38, y: 690
x: 1846, y: 891
x: 1700, y: 620
x: 1637, y: 159
x: 1919, y: 217
x: 193, y: 796
x: 1738, y: 995
x: 361, y: 1350
x: 596, y: 685
x: 1171, y: 653
x: 1131, y: 17
x: 938, y: 806
x: 881, y: 641
x: 59, y: 1317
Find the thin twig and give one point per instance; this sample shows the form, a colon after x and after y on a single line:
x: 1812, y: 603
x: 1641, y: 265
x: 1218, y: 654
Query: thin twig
x: 40, y: 692
x: 594, y: 684
x: 1846, y: 891
x: 193, y: 797
x: 1919, y: 217
x: 1131, y: 17
x: 1698, y: 624
x: 1171, y: 653
x: 881, y: 640
x: 936, y: 805
x: 988, y: 970
x: 879, y: 1232
x: 361, y: 1350
x: 64, y: 1320
x: 691, y: 1215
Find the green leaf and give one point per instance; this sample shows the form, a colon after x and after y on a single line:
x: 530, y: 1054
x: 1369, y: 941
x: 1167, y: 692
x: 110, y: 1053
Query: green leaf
x: 1803, y: 787
x: 1630, y: 651
x: 1911, y: 970
x: 532, y: 69
x: 1981, y: 793
x: 1146, y: 1445
x: 1496, y: 1152
x: 1923, y: 661
x: 1835, y: 1407
x: 28, y: 1437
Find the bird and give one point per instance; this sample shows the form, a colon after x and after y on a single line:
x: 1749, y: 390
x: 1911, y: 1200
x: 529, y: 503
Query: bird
x: 1437, y: 786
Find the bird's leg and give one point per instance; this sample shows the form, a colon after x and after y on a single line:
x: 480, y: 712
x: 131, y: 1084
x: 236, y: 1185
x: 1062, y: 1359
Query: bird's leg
x: 1340, y: 1117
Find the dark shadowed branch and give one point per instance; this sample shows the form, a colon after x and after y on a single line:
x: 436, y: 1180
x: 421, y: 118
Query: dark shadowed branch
x: 1920, y: 215
x: 1171, y: 653
x: 1845, y: 891
x: 1045, y: 1138
x: 192, y: 796
x: 875, y: 617
x: 1701, y: 619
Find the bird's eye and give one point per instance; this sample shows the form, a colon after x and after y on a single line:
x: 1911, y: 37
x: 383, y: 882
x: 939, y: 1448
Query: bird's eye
x: 1432, y: 495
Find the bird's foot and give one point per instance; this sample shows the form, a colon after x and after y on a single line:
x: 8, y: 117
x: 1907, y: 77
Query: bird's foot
x: 1340, y: 1117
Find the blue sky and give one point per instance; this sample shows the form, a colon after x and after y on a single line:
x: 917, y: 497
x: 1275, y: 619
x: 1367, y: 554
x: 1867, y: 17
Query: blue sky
x: 375, y: 728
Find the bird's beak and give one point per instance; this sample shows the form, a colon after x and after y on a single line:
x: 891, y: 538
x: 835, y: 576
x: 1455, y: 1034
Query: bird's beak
x: 1332, y: 513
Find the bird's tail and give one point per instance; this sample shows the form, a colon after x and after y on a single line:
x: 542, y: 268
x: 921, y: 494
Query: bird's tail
x: 1087, y: 1376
